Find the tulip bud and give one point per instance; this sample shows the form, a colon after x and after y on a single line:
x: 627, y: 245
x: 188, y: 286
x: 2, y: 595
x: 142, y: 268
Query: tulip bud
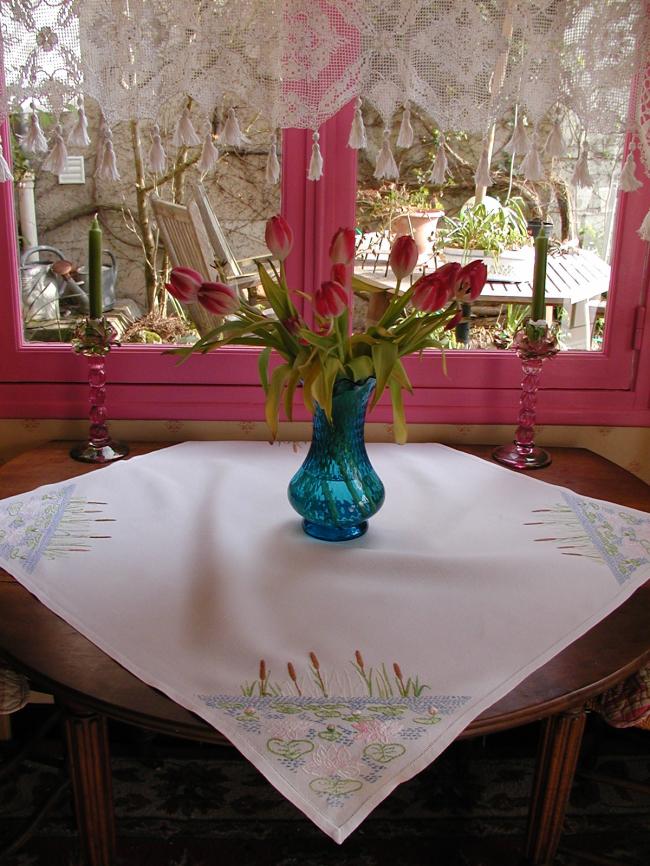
x: 471, y: 280
x: 430, y: 293
x: 218, y: 298
x: 279, y: 237
x: 184, y: 284
x: 403, y: 256
x: 330, y: 300
x: 340, y: 274
x: 342, y: 247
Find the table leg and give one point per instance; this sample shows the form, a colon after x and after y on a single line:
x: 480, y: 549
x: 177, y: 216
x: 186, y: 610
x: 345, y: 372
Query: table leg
x: 556, y: 763
x: 90, y: 774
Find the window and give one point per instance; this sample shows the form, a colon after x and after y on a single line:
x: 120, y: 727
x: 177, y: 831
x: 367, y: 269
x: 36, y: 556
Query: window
x: 608, y: 387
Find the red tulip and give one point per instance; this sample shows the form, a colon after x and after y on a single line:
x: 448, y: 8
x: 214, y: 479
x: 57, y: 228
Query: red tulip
x: 471, y: 280
x: 340, y: 274
x: 455, y: 320
x: 330, y: 300
x: 403, y: 256
x: 218, y: 298
x: 184, y: 284
x: 342, y: 247
x: 279, y: 237
x: 450, y: 273
x: 431, y: 292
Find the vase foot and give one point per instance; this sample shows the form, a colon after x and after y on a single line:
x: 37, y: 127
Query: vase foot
x: 335, y: 533
x: 86, y: 452
x: 522, y: 457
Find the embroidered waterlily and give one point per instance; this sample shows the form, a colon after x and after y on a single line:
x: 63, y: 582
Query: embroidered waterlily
x: 333, y: 761
x: 313, y: 358
x: 377, y: 730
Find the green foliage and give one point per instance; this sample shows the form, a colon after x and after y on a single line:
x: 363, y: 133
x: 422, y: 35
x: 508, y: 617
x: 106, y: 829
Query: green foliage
x: 491, y: 229
x: 376, y: 208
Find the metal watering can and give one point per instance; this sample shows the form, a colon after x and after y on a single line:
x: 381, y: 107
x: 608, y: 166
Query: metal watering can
x: 47, y: 278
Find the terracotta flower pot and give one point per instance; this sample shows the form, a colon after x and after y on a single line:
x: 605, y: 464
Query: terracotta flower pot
x: 421, y: 225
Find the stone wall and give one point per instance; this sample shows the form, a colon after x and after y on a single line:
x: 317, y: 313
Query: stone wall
x: 237, y: 191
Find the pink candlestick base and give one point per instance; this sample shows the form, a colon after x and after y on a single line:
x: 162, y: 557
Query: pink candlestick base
x: 94, y: 341
x: 523, y: 453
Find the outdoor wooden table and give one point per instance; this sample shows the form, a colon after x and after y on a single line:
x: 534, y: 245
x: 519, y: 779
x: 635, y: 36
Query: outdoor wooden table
x: 91, y: 687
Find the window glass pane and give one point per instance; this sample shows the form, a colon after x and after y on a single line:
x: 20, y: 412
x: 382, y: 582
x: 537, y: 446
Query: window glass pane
x: 448, y: 226
x: 224, y: 231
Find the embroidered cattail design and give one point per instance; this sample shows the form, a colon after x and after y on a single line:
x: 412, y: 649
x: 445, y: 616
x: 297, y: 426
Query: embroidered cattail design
x: 360, y: 668
x: 359, y: 659
x: 293, y: 677
x: 316, y: 674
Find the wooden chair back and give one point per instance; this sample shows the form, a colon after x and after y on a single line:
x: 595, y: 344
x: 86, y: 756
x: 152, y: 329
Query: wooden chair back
x: 224, y: 256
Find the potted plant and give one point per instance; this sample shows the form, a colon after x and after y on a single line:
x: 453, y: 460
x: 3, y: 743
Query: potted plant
x: 495, y: 232
x: 402, y: 210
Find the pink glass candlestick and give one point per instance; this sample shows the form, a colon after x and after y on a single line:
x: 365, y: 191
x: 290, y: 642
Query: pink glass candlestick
x: 94, y: 339
x: 536, y: 343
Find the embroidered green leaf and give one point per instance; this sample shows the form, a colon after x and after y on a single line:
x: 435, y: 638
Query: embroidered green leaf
x: 428, y: 720
x: 389, y: 710
x: 331, y: 734
x: 335, y: 786
x: 289, y: 709
x: 383, y: 753
x: 290, y: 749
x: 326, y: 713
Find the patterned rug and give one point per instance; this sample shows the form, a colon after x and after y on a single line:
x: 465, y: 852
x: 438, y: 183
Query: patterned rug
x: 188, y: 805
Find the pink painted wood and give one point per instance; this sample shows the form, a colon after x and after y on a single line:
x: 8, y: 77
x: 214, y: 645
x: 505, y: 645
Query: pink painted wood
x: 612, y: 387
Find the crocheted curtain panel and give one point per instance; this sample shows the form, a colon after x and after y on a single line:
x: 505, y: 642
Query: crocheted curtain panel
x: 463, y: 63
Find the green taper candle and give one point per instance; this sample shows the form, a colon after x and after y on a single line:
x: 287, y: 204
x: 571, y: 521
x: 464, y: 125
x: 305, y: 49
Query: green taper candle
x: 95, y: 269
x: 539, y: 276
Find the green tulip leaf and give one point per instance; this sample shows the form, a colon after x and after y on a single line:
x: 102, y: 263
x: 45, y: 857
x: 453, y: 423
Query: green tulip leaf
x: 384, y: 357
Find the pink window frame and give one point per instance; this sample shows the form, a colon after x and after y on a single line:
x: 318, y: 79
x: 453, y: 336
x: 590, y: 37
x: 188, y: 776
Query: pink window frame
x: 612, y: 387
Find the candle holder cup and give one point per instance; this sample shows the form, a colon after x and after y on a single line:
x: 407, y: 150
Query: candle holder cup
x: 94, y: 339
x: 534, y: 344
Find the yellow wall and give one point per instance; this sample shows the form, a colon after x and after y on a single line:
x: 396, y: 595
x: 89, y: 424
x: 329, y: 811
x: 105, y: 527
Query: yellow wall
x: 627, y: 446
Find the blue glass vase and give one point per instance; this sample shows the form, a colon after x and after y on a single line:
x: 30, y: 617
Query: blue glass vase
x: 336, y: 489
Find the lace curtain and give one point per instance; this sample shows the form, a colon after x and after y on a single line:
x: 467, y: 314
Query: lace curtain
x: 464, y: 63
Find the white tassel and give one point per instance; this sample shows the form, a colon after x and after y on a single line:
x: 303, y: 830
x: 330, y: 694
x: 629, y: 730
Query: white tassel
x: 232, y: 134
x: 79, y: 134
x: 440, y: 166
x: 157, y: 158
x: 5, y: 171
x: 519, y: 144
x: 272, y: 173
x: 629, y: 181
x: 531, y: 167
x: 555, y: 144
x: 386, y: 166
x: 316, y: 162
x: 109, y: 164
x: 405, y: 136
x: 482, y: 175
x: 581, y: 176
x: 34, y: 141
x: 56, y: 159
x: 644, y: 229
x: 103, y: 133
x: 185, y: 134
x: 209, y: 154
x: 358, y: 139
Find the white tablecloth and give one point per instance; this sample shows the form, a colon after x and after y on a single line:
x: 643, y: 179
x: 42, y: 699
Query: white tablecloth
x: 339, y: 670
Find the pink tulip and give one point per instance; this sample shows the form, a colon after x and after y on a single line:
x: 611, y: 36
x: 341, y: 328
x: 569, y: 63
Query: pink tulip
x: 403, y: 256
x: 471, y: 280
x: 330, y: 300
x: 218, y: 298
x: 342, y: 247
x: 184, y: 284
x: 279, y: 237
x: 431, y: 292
x: 450, y: 273
x: 340, y: 274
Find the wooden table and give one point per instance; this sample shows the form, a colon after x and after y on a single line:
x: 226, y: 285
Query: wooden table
x: 91, y: 687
